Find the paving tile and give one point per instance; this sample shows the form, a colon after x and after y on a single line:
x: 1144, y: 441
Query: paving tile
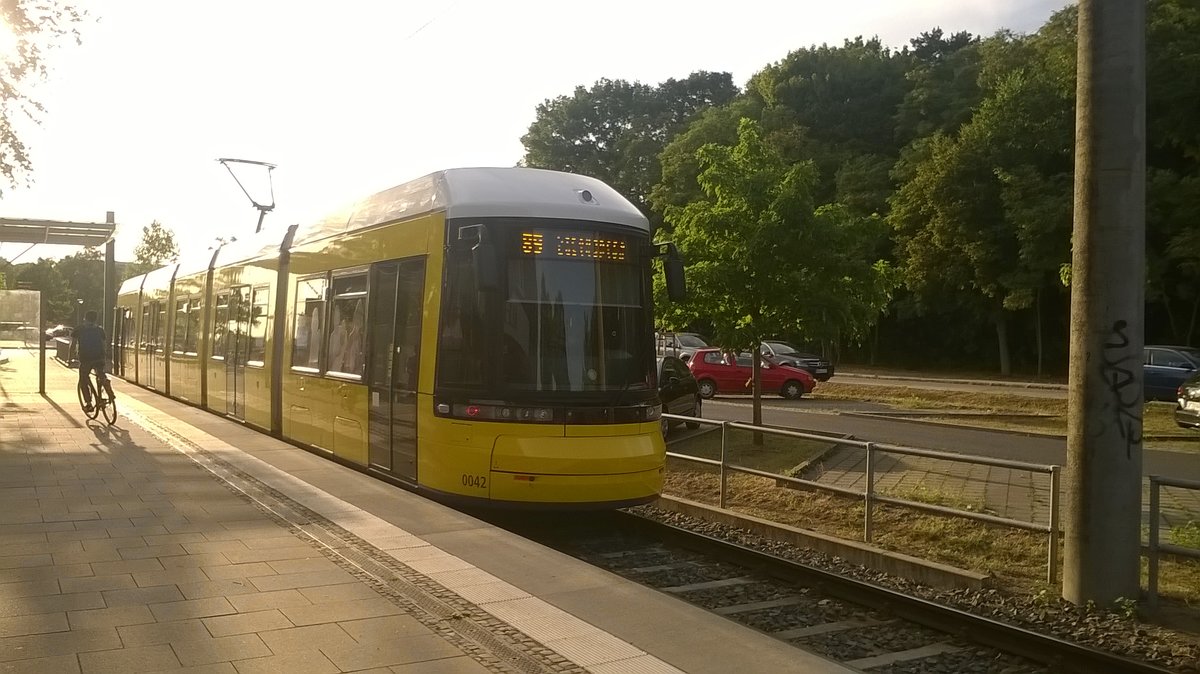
x: 271, y: 555
x: 59, y: 664
x: 126, y: 566
x: 50, y: 603
x: 147, y: 551
x: 244, y: 623
x: 462, y: 664
x: 87, y: 556
x: 301, y: 662
x: 259, y: 601
x: 339, y: 592
x: 129, y: 659
x: 58, y: 643
x: 392, y: 652
x: 192, y: 608
x: 30, y: 588
x: 221, y: 649
x: 41, y: 623
x: 169, y: 577
x: 142, y: 596
x: 194, y: 561
x: 217, y: 588
x: 223, y: 547
x: 317, y: 562
x: 380, y: 629
x: 149, y: 634
x: 45, y: 572
x: 214, y: 668
x: 26, y: 561
x: 114, y: 543
x: 97, y: 583
x: 239, y: 570
x: 341, y: 611
x: 308, y: 637
x: 288, y: 581
x: 110, y: 617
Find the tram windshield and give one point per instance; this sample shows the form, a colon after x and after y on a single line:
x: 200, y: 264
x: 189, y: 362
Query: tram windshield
x: 570, y: 315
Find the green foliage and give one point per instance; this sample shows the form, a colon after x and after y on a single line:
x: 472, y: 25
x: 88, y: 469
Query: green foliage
x: 615, y: 130
x: 757, y: 211
x: 38, y: 28
x: 157, y: 247
x: 1186, y: 535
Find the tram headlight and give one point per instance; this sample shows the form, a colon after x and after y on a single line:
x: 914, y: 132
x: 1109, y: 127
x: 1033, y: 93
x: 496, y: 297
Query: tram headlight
x: 653, y: 412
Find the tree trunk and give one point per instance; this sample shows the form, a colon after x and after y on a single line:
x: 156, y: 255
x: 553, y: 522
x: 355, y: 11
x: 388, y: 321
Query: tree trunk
x: 756, y: 377
x: 1037, y: 308
x: 1002, y: 339
x: 875, y: 343
x: 1192, y: 323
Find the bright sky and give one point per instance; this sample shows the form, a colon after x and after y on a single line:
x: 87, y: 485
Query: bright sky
x: 351, y: 97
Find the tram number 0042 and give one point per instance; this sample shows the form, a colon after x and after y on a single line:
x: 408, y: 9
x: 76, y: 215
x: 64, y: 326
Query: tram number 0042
x: 479, y: 481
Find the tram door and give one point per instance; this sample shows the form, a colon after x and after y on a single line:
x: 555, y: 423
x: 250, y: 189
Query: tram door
x: 237, y: 349
x: 395, y: 336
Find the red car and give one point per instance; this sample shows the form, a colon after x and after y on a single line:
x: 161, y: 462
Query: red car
x: 716, y: 371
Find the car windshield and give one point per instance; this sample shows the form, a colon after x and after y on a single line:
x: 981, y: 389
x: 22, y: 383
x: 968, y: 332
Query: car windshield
x: 570, y: 315
x: 690, y: 341
x: 782, y: 348
x: 1192, y: 354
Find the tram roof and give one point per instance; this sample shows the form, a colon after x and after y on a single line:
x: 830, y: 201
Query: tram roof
x: 485, y: 192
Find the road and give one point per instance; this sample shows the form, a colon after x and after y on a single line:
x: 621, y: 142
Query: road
x: 807, y: 415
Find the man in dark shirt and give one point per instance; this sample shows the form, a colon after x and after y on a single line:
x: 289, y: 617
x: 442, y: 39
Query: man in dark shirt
x: 89, y: 340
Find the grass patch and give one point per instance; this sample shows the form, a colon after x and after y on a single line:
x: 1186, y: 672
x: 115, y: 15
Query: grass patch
x: 777, y: 453
x: 1186, y: 536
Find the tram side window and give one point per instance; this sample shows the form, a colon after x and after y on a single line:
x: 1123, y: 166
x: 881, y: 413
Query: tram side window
x: 160, y: 327
x: 145, y: 334
x: 258, y: 325
x: 220, y: 325
x: 181, y: 325
x: 310, y: 316
x: 346, y: 355
x: 464, y: 333
x: 193, y: 329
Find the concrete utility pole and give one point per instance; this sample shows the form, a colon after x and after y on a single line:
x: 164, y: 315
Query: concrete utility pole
x: 1104, y: 429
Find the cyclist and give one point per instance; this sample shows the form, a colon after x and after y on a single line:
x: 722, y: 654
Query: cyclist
x: 89, y: 340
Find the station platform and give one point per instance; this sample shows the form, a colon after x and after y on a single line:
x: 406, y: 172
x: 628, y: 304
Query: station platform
x: 178, y: 540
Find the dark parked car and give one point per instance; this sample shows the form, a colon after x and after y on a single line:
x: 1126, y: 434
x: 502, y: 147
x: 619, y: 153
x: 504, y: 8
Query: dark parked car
x: 678, y: 391
x: 786, y: 354
x: 1167, y: 367
x: 1187, y: 404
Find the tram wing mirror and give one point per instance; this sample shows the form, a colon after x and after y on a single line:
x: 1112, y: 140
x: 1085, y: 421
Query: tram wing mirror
x: 483, y: 257
x: 673, y: 267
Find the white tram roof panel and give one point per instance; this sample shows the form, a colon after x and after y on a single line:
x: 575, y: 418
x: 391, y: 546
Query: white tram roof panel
x: 160, y: 279
x: 486, y: 192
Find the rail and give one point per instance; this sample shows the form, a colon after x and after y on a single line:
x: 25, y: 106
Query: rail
x: 868, y: 494
x: 1157, y: 547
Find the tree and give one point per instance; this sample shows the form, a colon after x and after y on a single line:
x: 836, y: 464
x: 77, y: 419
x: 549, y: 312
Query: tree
x: 38, y: 28
x: 83, y: 276
x: 157, y: 246
x: 741, y: 242
x: 43, y: 276
x: 615, y: 130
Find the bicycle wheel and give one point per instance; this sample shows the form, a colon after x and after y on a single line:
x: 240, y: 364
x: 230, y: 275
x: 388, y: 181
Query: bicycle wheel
x: 95, y: 407
x: 110, y: 405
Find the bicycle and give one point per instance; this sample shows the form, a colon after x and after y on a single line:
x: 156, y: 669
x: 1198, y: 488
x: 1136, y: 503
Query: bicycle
x: 103, y: 400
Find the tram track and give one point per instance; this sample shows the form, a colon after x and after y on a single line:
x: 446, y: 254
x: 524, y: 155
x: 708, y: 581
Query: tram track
x: 859, y: 624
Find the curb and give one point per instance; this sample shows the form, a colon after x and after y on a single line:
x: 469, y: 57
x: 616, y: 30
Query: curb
x: 907, y: 418
x: 977, y: 382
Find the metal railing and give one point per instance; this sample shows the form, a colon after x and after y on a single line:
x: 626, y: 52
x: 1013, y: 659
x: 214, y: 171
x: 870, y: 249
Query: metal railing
x: 1157, y: 547
x: 868, y: 494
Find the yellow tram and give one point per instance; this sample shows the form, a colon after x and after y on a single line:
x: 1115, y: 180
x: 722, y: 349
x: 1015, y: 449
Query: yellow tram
x: 478, y: 334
